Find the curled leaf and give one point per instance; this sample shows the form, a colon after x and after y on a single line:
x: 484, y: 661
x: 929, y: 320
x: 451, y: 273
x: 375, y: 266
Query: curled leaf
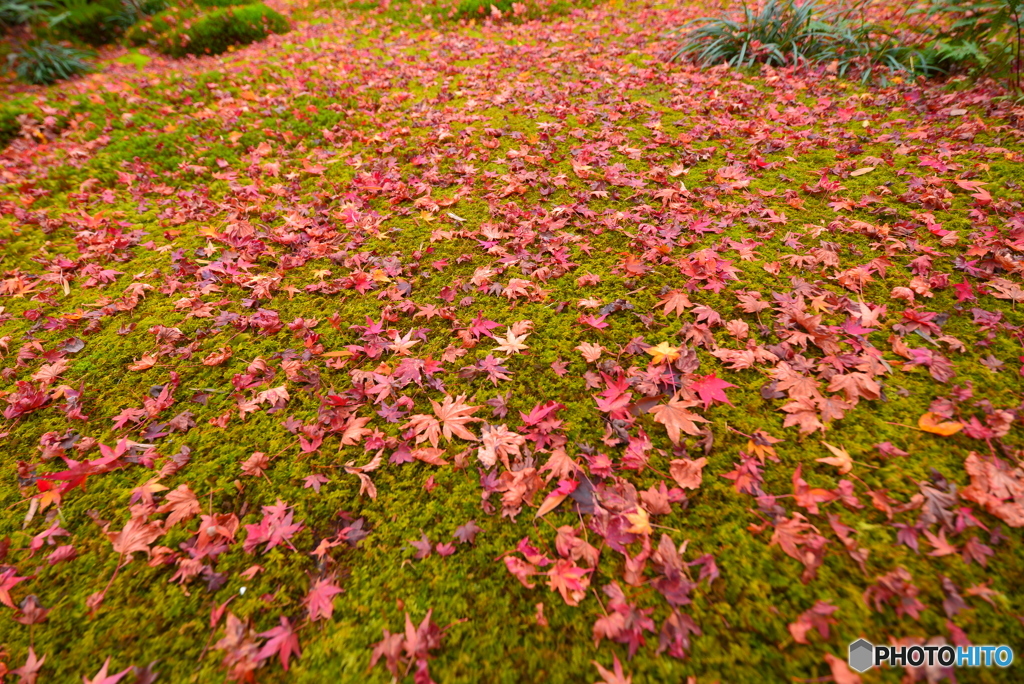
x: 934, y: 424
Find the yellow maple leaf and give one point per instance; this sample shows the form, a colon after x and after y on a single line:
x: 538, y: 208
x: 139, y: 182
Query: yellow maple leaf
x: 641, y: 523
x: 663, y: 352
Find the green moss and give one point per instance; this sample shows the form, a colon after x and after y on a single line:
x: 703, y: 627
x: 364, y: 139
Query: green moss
x: 160, y: 24
x: 9, y: 126
x: 214, y: 32
x: 134, y: 58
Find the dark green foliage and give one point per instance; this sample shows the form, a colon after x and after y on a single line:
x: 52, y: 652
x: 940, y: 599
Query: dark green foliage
x: 219, y: 3
x: 977, y: 36
x: 14, y: 12
x: 9, y: 126
x: 44, y: 63
x: 214, y: 32
x: 89, y: 21
x: 983, y: 35
x: 782, y: 32
x: 785, y: 32
x: 867, y: 45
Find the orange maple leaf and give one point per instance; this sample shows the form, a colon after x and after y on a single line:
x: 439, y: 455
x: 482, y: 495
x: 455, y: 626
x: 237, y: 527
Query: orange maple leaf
x: 675, y: 417
x: 930, y: 422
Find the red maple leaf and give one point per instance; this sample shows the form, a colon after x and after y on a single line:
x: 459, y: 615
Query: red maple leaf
x: 275, y: 527
x: 8, y: 580
x: 711, y: 388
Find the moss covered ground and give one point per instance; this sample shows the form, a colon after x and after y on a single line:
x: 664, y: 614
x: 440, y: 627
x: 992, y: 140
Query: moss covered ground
x: 195, y: 256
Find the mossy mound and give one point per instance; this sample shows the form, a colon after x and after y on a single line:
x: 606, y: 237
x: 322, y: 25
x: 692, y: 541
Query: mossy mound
x: 9, y: 126
x: 188, y: 30
x: 160, y: 24
x: 93, y: 23
x: 219, y: 3
x: 513, y: 10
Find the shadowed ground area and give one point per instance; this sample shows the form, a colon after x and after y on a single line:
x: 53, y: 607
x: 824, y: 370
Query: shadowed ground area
x: 485, y: 351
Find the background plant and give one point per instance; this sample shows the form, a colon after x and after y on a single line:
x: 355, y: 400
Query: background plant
x: 43, y: 63
x: 984, y: 36
x: 978, y: 37
x: 214, y: 32
x: 91, y: 22
x: 18, y: 12
x: 780, y: 32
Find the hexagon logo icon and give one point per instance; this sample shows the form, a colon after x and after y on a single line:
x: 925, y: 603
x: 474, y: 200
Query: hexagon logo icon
x: 862, y: 655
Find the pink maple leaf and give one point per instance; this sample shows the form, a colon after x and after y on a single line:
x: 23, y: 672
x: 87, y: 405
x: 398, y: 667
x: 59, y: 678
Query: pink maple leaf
x: 282, y: 641
x: 320, y: 599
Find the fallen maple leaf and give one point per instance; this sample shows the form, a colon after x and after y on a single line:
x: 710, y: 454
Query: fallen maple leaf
x: 569, y: 580
x: 182, y: 504
x: 320, y: 599
x: 841, y: 458
x: 663, y: 352
x: 49, y: 372
x: 841, y: 672
x: 591, y: 352
x: 941, y: 545
x: 511, y: 343
x: 282, y: 641
x: 675, y: 301
x: 930, y: 422
x: 1000, y: 288
x: 466, y: 534
x: 8, y: 580
x: 676, y: 418
x: 103, y: 678
x: 137, y: 535
x: 640, y: 522
x: 29, y: 672
x: 552, y: 501
x: 819, y: 617
x: 454, y: 415
x: 255, y: 464
x: 146, y: 491
x: 616, y: 677
x: 687, y: 472
x: 711, y: 388
x: 146, y: 362
x: 217, y: 357
x: 997, y: 486
x: 32, y: 612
